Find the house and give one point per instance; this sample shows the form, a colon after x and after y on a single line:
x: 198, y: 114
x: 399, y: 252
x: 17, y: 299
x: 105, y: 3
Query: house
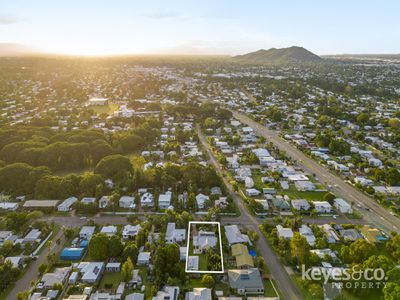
x: 135, y: 296
x: 216, y: 190
x: 322, y: 253
x: 104, y: 201
x: 234, y: 236
x: 199, y: 294
x: 73, y: 278
x: 40, y: 204
x: 10, y: 206
x: 252, y: 192
x: 88, y: 200
x: 285, y: 233
x: 330, y: 234
x: 280, y: 204
x: 351, y: 234
x: 32, y: 236
x: 130, y: 231
x: 222, y: 202
x: 91, y: 271
x: 248, y: 182
x: 87, y: 232
x: 127, y: 202
x: 113, y: 267
x: 182, y: 253
x: 109, y: 230
x: 167, y: 293
x: 147, y: 200
x: 263, y: 203
x: 374, y: 162
x: 300, y: 205
x: 193, y: 263
x: 201, y: 199
x: 246, y: 281
x: 242, y: 256
x: 5, y: 236
x: 16, y: 261
x: 269, y: 191
x: 174, y: 235
x: 306, y: 231
x: 322, y: 207
x: 164, y: 200
x: 143, y: 259
x: 304, y: 186
x: 342, y: 206
x: 67, y: 204
x: 58, y: 276
x: 204, y: 240
x: 76, y: 297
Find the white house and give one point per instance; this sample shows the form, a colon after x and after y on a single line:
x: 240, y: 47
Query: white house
x: 374, y: 162
x: 322, y: 207
x: 143, y: 258
x: 248, y: 182
x: 304, y: 185
x: 91, y: 271
x: 109, y: 230
x: 201, y: 199
x: 130, y: 231
x: 67, y: 204
x: 204, y: 240
x: 199, y: 294
x: 342, y: 206
x: 87, y: 232
x: 147, y: 200
x: 127, y: 202
x: 252, y: 192
x: 306, y: 231
x: 88, y: 200
x: 164, y: 200
x: 193, y: 263
x: 10, y: 206
x: 103, y: 201
x: 285, y: 233
x: 234, y: 236
x: 300, y: 204
x: 174, y: 235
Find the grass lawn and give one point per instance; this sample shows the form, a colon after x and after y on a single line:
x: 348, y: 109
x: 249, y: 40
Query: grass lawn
x: 203, y: 262
x: 269, y: 290
x: 295, y: 194
x: 113, y: 278
x: 108, y: 109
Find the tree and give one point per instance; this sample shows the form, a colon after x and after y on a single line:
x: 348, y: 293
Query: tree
x: 127, y: 269
x: 300, y: 249
x: 391, y: 291
x: 112, y: 165
x: 130, y: 251
x: 208, y: 281
x: 361, y: 250
x: 42, y: 268
x: 115, y: 246
x: 98, y: 246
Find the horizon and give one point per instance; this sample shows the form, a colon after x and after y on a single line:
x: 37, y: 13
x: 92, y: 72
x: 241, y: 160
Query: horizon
x: 100, y: 28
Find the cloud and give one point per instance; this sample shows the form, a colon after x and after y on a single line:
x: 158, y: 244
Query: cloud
x: 164, y: 14
x: 8, y: 19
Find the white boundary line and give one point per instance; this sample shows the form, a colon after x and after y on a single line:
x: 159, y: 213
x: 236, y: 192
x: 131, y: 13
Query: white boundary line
x: 220, y: 247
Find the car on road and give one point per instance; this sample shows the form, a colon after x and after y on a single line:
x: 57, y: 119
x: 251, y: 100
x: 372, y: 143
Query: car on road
x: 82, y: 218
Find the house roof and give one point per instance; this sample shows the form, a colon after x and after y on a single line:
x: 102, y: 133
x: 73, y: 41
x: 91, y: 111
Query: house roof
x: 242, y: 256
x: 245, y: 279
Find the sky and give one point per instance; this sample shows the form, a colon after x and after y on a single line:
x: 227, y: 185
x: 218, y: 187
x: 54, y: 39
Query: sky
x: 109, y: 27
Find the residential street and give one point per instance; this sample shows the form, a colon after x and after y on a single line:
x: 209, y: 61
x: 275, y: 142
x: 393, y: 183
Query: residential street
x: 24, y: 283
x: 285, y: 284
x: 375, y: 215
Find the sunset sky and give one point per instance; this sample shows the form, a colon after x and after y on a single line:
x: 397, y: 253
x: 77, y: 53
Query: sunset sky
x: 98, y: 27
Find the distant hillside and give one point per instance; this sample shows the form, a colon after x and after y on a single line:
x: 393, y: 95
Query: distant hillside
x: 10, y: 49
x: 282, y: 55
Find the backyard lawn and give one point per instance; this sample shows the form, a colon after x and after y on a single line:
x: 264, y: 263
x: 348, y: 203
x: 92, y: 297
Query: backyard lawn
x: 113, y: 278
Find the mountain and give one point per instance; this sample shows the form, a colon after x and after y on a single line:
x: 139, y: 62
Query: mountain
x: 282, y: 55
x: 11, y: 49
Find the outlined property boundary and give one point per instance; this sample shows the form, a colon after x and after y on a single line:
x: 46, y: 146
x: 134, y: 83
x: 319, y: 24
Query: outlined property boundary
x: 220, y: 247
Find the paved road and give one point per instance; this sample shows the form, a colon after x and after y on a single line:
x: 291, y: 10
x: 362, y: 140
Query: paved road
x: 24, y: 283
x: 285, y: 284
x: 378, y: 216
